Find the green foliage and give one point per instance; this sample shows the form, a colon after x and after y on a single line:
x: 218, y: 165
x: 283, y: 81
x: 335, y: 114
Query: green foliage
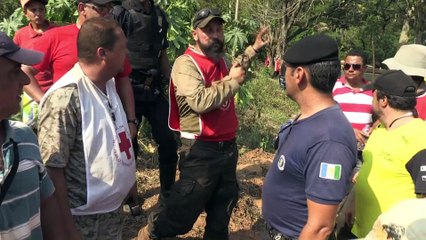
x: 58, y: 11
x: 217, y: 4
x: 8, y: 7
x: 180, y: 14
x: 62, y: 11
x: 235, y: 39
x: 261, y: 118
x: 237, y: 33
x: 369, y: 25
x: 243, y: 97
x: 11, y: 24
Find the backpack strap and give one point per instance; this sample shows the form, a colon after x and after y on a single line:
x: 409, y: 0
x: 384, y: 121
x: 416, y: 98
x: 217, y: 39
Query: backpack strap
x: 12, y: 173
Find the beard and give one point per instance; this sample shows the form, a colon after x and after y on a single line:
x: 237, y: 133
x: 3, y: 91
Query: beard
x: 213, y: 50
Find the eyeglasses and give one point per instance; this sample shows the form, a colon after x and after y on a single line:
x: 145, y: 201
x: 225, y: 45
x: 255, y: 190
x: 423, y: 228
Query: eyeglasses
x: 205, y: 13
x: 101, y: 9
x: 355, y: 67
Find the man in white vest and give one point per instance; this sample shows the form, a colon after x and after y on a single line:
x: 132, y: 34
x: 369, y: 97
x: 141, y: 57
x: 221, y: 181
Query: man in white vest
x: 86, y: 143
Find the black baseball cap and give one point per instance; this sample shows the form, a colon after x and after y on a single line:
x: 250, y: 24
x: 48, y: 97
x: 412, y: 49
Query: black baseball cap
x: 204, y: 16
x: 394, y: 83
x: 312, y: 49
x: 10, y: 50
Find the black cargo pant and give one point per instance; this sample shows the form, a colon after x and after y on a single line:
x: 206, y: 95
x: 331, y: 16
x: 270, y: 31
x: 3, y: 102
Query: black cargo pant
x: 156, y: 112
x: 207, y: 182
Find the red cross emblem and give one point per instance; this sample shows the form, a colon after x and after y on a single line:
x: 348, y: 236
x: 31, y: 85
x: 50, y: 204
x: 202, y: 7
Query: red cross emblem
x: 124, y: 144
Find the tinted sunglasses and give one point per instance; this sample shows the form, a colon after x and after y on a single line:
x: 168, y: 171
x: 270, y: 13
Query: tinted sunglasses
x: 355, y: 67
x: 205, y: 13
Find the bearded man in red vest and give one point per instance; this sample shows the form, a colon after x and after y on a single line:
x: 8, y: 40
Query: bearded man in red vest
x: 202, y: 88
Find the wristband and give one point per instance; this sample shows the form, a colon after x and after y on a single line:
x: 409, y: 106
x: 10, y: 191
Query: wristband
x: 134, y: 121
x: 256, y: 51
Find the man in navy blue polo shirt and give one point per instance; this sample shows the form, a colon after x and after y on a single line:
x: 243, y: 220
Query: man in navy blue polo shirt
x: 315, y: 153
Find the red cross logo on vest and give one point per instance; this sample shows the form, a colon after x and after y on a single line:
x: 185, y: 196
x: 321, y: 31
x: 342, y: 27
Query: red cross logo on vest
x: 124, y: 144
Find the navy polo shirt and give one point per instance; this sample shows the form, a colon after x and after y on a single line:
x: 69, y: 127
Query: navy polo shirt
x: 314, y: 160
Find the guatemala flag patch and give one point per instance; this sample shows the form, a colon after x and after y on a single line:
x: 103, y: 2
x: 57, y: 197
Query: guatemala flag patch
x: 330, y: 171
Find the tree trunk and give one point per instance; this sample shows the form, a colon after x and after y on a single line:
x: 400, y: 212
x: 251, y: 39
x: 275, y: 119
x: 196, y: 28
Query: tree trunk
x: 420, y: 22
x: 237, y: 3
x: 404, y: 37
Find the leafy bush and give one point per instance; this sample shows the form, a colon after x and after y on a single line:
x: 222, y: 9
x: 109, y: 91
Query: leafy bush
x: 59, y: 11
x: 260, y: 119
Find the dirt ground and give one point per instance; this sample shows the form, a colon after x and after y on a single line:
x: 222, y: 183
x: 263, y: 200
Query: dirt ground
x: 246, y: 222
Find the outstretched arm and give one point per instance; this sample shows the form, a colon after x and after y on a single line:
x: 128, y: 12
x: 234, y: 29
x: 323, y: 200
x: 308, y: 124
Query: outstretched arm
x: 261, y: 39
x: 243, y: 60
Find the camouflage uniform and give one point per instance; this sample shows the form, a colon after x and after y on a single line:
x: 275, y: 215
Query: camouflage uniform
x: 107, y: 226
x: 61, y: 146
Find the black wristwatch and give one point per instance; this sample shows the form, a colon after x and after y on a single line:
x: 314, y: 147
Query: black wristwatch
x: 134, y: 121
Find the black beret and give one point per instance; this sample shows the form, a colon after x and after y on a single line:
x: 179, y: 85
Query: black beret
x: 312, y: 49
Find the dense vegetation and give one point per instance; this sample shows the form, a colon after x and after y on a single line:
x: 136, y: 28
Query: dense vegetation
x: 378, y: 27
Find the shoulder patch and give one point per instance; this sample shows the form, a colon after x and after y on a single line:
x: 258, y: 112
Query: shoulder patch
x: 330, y: 171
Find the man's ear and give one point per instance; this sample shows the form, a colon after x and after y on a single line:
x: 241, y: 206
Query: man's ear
x: 383, y: 102
x: 301, y: 77
x: 80, y: 7
x: 194, y: 35
x: 102, y: 53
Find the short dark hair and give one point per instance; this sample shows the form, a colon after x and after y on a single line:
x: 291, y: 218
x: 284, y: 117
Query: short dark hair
x: 324, y: 75
x: 358, y: 53
x: 95, y: 33
x: 397, y: 102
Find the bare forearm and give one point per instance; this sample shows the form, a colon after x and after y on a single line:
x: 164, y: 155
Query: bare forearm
x: 51, y: 224
x: 61, y: 195
x: 320, y: 224
x: 315, y: 232
x: 32, y: 89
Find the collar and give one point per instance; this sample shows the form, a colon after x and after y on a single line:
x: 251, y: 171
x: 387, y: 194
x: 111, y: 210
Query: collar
x: 33, y: 34
x: 297, y: 119
x: 345, y: 83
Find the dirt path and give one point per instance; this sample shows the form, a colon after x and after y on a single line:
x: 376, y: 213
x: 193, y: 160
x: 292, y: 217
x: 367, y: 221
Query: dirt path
x: 246, y: 222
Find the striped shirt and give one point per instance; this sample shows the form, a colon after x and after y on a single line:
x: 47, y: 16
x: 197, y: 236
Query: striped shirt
x: 20, y: 209
x: 421, y: 106
x: 355, y: 104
